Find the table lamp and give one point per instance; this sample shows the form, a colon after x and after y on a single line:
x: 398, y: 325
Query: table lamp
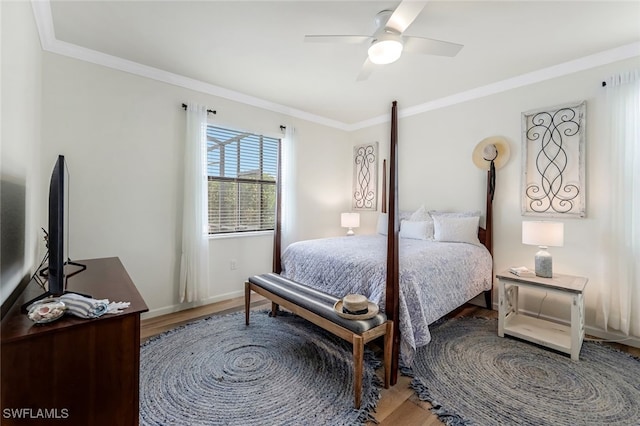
x: 350, y: 220
x: 543, y: 235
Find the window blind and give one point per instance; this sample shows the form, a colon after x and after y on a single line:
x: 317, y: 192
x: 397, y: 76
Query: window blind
x: 241, y: 169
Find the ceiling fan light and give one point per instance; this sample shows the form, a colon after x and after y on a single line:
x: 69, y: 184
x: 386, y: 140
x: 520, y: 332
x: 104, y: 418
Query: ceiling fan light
x: 384, y: 52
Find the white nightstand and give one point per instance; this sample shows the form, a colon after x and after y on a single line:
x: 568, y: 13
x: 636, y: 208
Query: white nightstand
x: 550, y: 334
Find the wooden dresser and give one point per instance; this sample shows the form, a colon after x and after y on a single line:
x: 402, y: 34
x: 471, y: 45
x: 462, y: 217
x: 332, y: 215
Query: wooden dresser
x: 74, y: 371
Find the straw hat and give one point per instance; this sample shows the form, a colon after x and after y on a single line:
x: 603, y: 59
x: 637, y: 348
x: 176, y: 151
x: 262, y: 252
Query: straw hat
x: 356, y: 307
x: 493, y: 147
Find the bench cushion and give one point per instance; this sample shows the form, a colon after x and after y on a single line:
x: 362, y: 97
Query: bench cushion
x: 316, y: 301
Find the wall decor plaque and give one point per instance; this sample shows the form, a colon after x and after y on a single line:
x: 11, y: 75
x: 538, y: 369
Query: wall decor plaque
x: 553, y: 161
x: 365, y: 177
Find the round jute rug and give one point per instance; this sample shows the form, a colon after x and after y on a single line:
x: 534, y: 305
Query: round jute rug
x: 472, y: 376
x: 276, y: 371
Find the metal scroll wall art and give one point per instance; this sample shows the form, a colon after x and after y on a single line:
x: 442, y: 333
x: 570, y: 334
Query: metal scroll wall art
x: 553, y: 161
x: 365, y: 177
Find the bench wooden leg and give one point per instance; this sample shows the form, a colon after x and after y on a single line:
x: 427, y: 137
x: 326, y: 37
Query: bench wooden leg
x: 247, y: 301
x: 274, y: 309
x: 358, y: 352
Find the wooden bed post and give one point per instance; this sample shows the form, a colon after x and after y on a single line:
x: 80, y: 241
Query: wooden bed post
x: 488, y: 236
x: 384, y: 186
x: 277, y: 231
x: 392, y: 295
x: 488, y: 243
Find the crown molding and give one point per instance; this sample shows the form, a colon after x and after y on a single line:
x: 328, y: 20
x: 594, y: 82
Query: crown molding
x: 603, y: 58
x: 49, y: 42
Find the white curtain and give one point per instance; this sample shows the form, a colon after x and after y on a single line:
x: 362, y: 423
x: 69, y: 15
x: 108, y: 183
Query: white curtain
x: 288, y: 187
x: 194, y: 264
x: 620, y: 295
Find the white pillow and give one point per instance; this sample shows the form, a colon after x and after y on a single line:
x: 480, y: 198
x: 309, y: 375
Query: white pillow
x: 456, y: 229
x: 404, y: 215
x: 413, y: 229
x: 473, y: 213
x: 383, y: 220
x: 420, y: 215
x: 383, y: 223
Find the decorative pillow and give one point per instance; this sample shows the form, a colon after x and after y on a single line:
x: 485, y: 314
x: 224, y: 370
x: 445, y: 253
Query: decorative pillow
x: 383, y: 221
x: 456, y: 229
x: 414, y: 229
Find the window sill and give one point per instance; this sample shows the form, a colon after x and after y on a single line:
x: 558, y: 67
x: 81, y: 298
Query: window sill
x: 239, y: 235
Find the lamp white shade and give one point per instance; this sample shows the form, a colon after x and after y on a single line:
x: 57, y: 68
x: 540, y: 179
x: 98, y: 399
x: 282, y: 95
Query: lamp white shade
x: 350, y: 220
x: 545, y: 234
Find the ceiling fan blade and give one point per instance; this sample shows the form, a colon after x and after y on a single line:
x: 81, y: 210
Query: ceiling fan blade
x: 352, y: 39
x: 366, y: 70
x: 405, y: 14
x: 431, y: 46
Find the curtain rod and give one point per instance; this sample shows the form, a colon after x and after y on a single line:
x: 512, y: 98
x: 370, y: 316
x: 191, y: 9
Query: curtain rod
x: 209, y: 111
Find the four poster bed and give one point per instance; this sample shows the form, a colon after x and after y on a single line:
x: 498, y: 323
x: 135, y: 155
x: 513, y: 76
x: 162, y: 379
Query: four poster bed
x: 432, y: 279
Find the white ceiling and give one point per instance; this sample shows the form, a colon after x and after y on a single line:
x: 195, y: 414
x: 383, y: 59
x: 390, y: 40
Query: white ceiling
x: 256, y: 49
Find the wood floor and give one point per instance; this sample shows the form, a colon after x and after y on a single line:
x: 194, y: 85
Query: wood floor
x: 398, y: 405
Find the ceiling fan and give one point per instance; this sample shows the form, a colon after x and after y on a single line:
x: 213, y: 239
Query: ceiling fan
x: 388, y: 41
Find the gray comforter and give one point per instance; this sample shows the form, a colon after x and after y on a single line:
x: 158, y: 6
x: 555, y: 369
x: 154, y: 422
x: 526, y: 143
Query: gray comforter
x: 435, y: 277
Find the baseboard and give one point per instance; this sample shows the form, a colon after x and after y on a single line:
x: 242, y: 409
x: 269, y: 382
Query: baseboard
x: 612, y: 336
x: 183, y: 306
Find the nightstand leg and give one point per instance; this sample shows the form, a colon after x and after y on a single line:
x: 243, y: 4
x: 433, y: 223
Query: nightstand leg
x: 502, y: 307
x: 577, y: 325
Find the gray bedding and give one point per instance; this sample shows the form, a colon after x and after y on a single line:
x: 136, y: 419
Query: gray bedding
x: 435, y: 277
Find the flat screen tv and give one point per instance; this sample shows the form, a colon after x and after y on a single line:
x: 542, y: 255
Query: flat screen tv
x: 57, y: 239
x: 55, y: 274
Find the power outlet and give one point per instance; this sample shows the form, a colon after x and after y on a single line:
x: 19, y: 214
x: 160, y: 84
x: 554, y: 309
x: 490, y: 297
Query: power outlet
x: 233, y: 264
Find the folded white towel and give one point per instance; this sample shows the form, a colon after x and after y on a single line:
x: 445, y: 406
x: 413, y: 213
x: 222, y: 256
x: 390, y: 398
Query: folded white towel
x: 84, y: 307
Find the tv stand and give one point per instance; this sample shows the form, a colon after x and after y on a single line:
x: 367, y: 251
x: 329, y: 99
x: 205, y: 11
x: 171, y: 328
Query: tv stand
x: 86, y: 370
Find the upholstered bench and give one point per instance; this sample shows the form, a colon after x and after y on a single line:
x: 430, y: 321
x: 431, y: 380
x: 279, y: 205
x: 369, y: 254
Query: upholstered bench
x: 317, y: 307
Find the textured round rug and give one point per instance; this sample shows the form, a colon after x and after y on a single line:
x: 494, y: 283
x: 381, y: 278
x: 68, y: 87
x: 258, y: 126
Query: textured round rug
x: 472, y: 376
x: 276, y: 371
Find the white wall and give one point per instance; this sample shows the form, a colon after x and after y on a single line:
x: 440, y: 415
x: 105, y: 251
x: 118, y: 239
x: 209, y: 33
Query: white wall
x: 19, y: 145
x: 122, y: 138
x: 436, y: 169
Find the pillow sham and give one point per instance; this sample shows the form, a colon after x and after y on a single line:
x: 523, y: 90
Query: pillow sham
x: 416, y: 230
x: 456, y: 229
x: 383, y: 220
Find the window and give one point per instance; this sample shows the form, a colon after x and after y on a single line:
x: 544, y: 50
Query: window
x: 241, y: 169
